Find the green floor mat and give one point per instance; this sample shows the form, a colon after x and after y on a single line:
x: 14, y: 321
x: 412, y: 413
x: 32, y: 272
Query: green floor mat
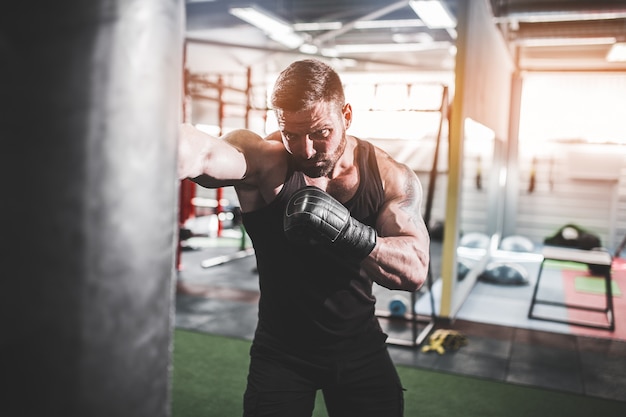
x: 595, y: 285
x: 574, y: 266
x: 209, y: 377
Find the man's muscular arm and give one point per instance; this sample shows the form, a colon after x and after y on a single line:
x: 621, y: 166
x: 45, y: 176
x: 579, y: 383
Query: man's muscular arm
x: 213, y: 162
x: 400, y: 258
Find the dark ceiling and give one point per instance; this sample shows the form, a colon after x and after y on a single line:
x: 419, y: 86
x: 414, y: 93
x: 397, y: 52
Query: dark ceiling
x: 544, y: 34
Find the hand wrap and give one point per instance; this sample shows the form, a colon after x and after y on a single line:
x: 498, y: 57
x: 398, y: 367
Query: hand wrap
x: 314, y: 215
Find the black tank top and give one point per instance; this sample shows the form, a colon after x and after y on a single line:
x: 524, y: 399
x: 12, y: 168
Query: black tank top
x: 311, y: 302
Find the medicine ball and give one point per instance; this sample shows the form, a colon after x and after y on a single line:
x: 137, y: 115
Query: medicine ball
x: 398, y: 306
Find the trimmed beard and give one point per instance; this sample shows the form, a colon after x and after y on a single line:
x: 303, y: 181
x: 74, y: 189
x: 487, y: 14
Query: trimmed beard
x: 312, y: 167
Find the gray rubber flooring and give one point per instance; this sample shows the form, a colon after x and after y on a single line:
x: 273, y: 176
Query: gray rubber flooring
x: 502, y: 344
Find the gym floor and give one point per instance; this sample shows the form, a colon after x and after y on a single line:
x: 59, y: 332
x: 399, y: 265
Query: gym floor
x: 502, y: 344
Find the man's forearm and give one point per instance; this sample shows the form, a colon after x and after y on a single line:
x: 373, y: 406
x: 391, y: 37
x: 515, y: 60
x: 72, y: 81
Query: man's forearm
x: 212, y: 161
x: 397, y: 263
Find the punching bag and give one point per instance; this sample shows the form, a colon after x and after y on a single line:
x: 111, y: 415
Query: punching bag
x: 90, y: 94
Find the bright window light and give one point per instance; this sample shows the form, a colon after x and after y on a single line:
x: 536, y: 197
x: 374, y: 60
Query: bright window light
x: 212, y: 130
x: 564, y: 16
x: 617, y: 52
x: 565, y: 41
x: 434, y: 13
x: 477, y: 131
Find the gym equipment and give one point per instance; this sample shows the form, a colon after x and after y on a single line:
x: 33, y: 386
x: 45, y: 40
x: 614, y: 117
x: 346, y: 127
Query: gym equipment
x: 93, y: 246
x: 573, y: 236
x: 479, y: 173
x: 462, y: 268
x: 533, y: 176
x: 601, y: 261
x: 417, y: 338
x: 442, y: 339
x: 474, y: 240
x: 398, y: 306
x: 313, y: 214
x: 504, y: 273
x: 517, y: 243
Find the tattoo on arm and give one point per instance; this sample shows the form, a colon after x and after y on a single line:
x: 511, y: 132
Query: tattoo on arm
x: 410, y: 202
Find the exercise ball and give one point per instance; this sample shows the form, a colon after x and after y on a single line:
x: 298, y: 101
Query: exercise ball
x: 474, y: 240
x: 462, y: 268
x: 517, y: 243
x: 504, y: 273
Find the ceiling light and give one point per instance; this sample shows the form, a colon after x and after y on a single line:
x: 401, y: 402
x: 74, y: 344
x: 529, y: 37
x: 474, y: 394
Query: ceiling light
x: 291, y: 40
x: 311, y: 49
x: 308, y: 48
x: 421, y: 37
x: 617, y: 52
x: 329, y: 52
x: 383, y: 24
x: 390, y: 47
x: 316, y: 26
x: 360, y: 24
x: 434, y: 13
x: 276, y: 28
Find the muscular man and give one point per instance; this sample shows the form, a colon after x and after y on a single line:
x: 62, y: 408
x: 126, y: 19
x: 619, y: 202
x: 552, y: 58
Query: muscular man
x: 328, y: 214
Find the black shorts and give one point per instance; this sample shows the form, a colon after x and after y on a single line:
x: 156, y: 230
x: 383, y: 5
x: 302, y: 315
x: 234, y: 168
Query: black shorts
x: 286, y: 385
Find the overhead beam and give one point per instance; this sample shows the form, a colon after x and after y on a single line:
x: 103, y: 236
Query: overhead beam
x: 293, y: 52
x: 332, y: 34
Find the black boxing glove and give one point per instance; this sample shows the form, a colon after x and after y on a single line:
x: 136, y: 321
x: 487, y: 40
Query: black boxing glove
x: 314, y: 215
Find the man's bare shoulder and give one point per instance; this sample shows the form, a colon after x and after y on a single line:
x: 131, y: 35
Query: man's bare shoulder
x: 262, y: 154
x: 267, y: 161
x: 387, y: 164
x: 397, y: 177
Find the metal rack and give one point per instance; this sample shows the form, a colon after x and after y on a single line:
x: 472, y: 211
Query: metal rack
x: 413, y: 317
